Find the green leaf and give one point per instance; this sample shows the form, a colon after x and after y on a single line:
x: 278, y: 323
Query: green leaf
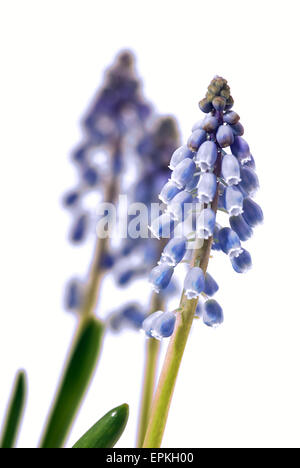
x: 14, y: 412
x: 74, y: 383
x: 107, y: 431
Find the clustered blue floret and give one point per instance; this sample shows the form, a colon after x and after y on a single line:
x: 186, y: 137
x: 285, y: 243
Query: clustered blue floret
x: 215, y: 170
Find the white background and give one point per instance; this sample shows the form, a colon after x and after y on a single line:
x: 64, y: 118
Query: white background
x: 238, y: 386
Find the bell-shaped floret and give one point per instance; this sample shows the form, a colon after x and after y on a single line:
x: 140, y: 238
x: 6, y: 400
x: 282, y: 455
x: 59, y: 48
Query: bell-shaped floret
x: 160, y: 276
x: 231, y: 170
x: 253, y: 214
x: 213, y: 314
x: 207, y: 187
x: 183, y: 172
x: 179, y: 155
x: 194, y: 283
x: 242, y: 263
x: 230, y: 242
x: 206, y: 156
x: 234, y: 201
x: 206, y: 223
x: 174, y: 251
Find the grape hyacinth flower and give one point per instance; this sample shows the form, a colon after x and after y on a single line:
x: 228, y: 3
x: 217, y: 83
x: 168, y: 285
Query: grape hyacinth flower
x: 227, y: 181
x: 207, y: 187
x: 174, y: 251
x: 120, y: 126
x: 232, y: 194
x: 212, y: 313
x: 160, y: 276
x: 194, y: 283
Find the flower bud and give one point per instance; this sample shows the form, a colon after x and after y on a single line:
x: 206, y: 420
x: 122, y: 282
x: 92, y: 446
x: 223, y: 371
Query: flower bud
x: 210, y: 124
x: 196, y: 139
x: 231, y: 118
x: 225, y: 136
x: 205, y: 106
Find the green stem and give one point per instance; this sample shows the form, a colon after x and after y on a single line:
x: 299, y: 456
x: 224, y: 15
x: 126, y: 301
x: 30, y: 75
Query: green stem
x: 167, y: 381
x: 150, y: 371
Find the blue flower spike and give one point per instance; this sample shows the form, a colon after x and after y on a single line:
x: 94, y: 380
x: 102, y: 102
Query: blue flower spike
x: 214, y: 171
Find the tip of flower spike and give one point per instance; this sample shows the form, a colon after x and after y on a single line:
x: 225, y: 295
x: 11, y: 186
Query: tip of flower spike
x: 126, y: 58
x: 218, y: 96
